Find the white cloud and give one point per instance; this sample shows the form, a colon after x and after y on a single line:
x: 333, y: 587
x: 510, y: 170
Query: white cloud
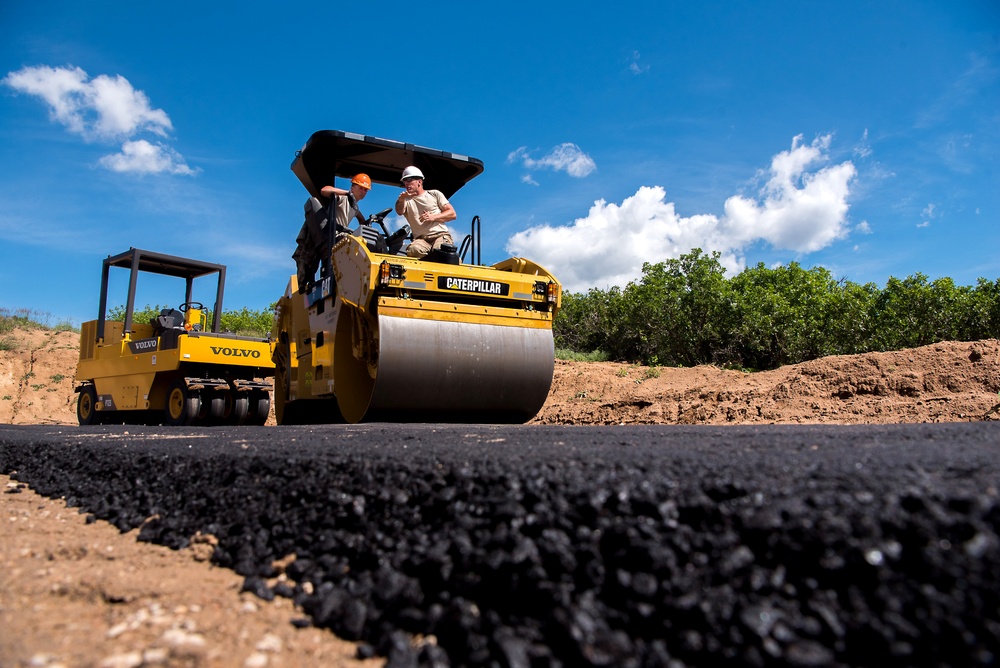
x: 864, y: 148
x: 634, y: 67
x: 142, y: 157
x: 103, y: 109
x: 566, y: 157
x: 800, y: 208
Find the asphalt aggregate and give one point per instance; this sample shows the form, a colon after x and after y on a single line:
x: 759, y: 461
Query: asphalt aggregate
x: 530, y: 546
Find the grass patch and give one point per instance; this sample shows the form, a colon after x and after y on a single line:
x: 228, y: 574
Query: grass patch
x: 24, y: 318
x: 7, y: 343
x: 573, y: 356
x: 31, y: 319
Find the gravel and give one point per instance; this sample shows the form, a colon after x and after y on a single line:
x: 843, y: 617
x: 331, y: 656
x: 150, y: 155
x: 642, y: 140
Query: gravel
x: 560, y: 546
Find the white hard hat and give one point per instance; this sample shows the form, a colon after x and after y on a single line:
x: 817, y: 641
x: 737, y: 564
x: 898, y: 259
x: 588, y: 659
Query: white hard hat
x: 411, y: 172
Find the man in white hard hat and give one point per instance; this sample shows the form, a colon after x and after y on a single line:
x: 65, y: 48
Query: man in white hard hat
x: 426, y: 211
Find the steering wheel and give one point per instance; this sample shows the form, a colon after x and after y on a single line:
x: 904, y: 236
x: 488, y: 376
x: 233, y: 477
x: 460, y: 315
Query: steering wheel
x: 399, y: 235
x: 187, y: 305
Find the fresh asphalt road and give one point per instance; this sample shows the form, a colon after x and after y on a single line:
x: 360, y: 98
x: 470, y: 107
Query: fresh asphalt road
x: 553, y: 545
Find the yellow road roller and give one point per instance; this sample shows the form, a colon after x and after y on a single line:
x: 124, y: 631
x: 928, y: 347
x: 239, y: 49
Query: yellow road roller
x: 176, y: 369
x: 379, y: 335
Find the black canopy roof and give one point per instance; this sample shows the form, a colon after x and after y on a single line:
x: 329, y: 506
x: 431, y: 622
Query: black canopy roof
x: 159, y: 263
x: 138, y: 261
x: 330, y: 153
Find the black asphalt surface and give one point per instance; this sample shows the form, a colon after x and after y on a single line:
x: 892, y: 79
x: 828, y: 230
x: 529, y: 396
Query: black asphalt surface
x: 577, y: 546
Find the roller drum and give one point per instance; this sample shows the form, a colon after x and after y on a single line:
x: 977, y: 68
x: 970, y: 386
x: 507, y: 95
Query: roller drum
x: 444, y: 371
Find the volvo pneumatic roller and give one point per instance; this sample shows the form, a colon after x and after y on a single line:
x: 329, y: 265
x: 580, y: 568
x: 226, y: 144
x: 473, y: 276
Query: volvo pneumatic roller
x: 174, y: 369
x: 379, y: 335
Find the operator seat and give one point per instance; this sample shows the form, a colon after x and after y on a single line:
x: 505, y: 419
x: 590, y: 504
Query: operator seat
x: 169, y: 318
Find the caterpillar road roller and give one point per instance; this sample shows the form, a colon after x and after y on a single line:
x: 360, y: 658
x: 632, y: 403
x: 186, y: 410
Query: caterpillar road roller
x: 174, y: 369
x: 382, y: 336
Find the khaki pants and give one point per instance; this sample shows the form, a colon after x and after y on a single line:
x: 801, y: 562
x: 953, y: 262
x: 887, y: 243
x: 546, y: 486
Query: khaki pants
x: 423, y: 245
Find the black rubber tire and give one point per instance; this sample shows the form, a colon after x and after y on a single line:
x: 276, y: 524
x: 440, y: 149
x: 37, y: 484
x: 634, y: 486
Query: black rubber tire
x: 241, y: 408
x: 86, y: 406
x: 260, y: 407
x: 219, y: 406
x: 182, y: 405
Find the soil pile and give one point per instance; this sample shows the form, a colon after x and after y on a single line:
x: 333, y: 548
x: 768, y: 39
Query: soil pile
x: 943, y: 382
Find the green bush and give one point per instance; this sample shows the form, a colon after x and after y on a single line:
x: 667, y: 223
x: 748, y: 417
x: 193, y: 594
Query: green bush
x: 573, y: 356
x: 248, y: 323
x: 687, y: 312
x: 243, y: 322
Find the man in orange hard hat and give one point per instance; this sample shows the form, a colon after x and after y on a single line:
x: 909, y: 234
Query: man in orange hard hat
x: 347, y: 202
x: 314, y: 241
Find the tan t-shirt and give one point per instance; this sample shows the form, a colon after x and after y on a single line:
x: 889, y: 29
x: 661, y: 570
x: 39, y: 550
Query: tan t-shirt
x: 347, y: 210
x: 431, y: 200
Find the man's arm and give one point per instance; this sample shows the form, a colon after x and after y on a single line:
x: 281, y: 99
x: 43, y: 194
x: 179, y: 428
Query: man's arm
x: 330, y: 191
x: 447, y: 214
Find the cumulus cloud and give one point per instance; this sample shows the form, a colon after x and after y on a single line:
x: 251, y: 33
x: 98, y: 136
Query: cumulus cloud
x: 801, y: 207
x: 103, y: 109
x: 142, y: 157
x: 566, y: 157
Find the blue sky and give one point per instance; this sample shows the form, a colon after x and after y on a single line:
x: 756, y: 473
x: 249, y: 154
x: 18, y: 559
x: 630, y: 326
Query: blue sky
x: 862, y: 137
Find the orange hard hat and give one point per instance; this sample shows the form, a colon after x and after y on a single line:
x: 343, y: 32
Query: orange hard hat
x: 362, y: 180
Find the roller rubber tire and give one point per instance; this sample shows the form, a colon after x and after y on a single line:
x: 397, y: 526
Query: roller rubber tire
x: 86, y: 406
x: 182, y: 405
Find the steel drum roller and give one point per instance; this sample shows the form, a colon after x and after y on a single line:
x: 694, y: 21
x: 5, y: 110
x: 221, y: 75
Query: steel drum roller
x: 460, y: 371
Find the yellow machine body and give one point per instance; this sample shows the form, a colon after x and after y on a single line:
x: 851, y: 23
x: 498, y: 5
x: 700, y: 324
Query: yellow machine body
x: 389, y: 337
x: 382, y: 336
x: 171, y: 370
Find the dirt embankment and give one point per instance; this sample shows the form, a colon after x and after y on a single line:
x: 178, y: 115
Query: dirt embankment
x: 943, y: 382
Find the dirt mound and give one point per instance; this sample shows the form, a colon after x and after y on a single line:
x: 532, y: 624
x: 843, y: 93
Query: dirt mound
x: 37, y: 377
x: 943, y: 382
